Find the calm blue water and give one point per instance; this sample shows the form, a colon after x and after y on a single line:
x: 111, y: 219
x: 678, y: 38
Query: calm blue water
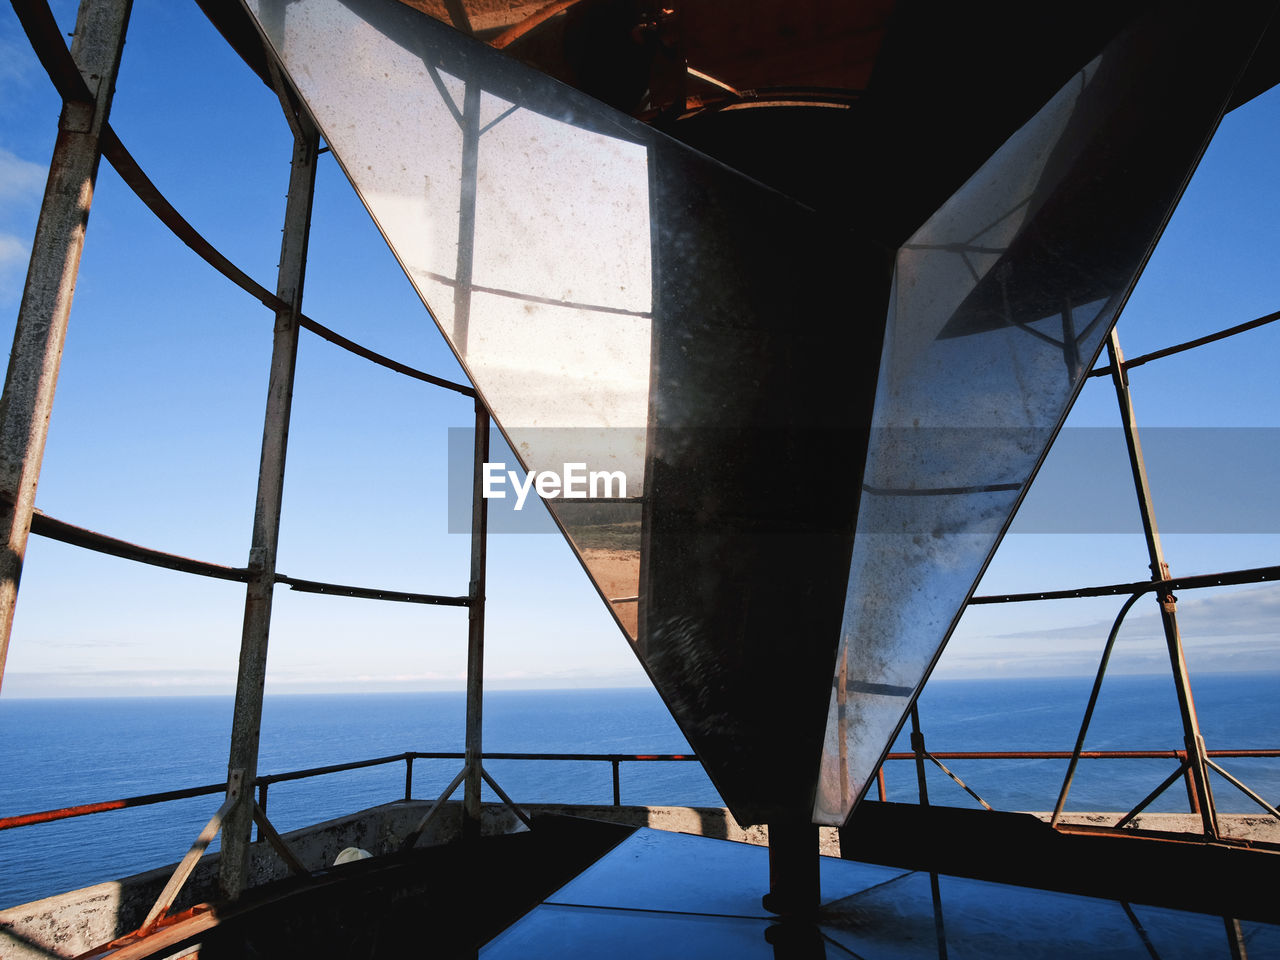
x: 60, y: 752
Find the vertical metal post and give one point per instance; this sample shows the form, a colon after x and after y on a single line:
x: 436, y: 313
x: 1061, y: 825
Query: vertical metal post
x: 262, y: 805
x: 617, y: 784
x: 939, y: 925
x: 1160, y: 571
x: 1189, y: 781
x: 408, y: 776
x: 247, y: 720
x: 794, y: 882
x: 881, y: 793
x: 32, y: 377
x: 917, y: 747
x: 1235, y: 939
x: 475, y: 630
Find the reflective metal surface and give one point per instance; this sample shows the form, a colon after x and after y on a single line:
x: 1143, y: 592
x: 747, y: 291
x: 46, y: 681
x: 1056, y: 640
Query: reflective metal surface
x: 623, y: 301
x: 1000, y: 304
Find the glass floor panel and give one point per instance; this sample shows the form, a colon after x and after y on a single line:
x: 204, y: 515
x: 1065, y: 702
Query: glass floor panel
x: 671, y: 895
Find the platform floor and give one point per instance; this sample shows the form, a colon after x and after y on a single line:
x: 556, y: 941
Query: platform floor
x: 664, y: 895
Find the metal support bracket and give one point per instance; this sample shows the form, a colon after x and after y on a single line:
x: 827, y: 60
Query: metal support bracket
x: 269, y: 833
x: 235, y: 789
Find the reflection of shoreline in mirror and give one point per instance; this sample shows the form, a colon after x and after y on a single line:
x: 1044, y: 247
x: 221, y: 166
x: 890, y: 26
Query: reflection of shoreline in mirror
x: 607, y: 537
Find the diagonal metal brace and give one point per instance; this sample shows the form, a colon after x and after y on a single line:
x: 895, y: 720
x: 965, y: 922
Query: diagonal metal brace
x: 278, y: 843
x: 411, y: 840
x: 235, y: 784
x: 502, y: 794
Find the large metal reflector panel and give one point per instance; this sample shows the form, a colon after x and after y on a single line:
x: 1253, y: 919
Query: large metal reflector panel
x: 623, y: 301
x: 1000, y: 305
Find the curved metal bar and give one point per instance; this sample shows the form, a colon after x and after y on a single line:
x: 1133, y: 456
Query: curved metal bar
x: 516, y: 31
x: 1093, y: 702
x: 46, y: 40
x: 1189, y: 344
x: 59, y: 530
x: 1199, y: 581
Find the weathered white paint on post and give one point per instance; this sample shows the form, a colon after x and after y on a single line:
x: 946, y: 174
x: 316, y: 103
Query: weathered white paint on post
x: 247, y: 721
x: 32, y: 377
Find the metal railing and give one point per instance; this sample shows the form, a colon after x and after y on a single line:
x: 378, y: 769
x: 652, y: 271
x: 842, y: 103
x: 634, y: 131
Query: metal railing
x: 615, y: 760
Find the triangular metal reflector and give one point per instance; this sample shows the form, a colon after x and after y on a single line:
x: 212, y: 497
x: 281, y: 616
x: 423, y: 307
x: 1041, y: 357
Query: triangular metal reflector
x: 623, y: 301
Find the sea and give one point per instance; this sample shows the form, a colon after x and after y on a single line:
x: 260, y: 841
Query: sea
x: 61, y: 752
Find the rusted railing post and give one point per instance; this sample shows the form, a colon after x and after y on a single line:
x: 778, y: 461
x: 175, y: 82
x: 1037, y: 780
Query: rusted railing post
x: 262, y: 804
x: 408, y: 776
x: 1194, y: 742
x: 41, y: 331
x: 234, y: 864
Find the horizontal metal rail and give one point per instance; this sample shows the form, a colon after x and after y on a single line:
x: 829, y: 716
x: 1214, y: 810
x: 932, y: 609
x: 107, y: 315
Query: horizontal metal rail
x: 67, y: 813
x: 1084, y: 755
x: 339, y: 768
x: 370, y: 593
x: 1189, y: 344
x: 53, y: 529
x: 1197, y: 582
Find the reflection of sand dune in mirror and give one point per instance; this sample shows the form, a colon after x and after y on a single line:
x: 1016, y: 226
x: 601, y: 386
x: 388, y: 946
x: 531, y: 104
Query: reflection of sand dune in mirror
x: 618, y: 574
x: 607, y: 537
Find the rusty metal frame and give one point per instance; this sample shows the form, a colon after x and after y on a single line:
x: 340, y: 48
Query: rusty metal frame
x: 1088, y: 711
x: 615, y: 760
x: 1202, y: 793
x: 235, y: 788
x: 473, y: 766
x: 54, y: 529
x: 1195, y: 760
x: 233, y: 866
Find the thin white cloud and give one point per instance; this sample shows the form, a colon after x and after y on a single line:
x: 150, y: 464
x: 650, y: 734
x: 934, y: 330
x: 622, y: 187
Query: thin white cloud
x: 1243, y: 613
x: 1221, y: 632
x: 21, y: 181
x: 14, y: 255
x: 13, y: 252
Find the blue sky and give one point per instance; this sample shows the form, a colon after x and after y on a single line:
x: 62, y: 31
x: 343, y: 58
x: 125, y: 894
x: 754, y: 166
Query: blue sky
x: 156, y: 430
